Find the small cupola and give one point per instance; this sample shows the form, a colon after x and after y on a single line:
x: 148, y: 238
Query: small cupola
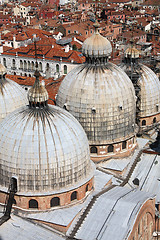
x: 37, y: 95
x: 96, y: 48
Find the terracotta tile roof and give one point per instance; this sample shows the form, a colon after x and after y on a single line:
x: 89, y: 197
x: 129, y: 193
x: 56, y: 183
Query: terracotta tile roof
x: 51, y: 85
x: 53, y: 53
x: 151, y: 3
x: 78, y: 45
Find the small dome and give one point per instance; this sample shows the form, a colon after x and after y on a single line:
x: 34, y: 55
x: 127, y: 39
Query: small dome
x: 102, y: 98
x: 38, y: 92
x: 149, y: 92
x: 96, y: 45
x: 2, y: 70
x: 12, y: 96
x: 132, y: 52
x: 46, y: 149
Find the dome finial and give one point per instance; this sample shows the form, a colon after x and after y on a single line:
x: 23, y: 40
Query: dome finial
x: 96, y: 26
x: 96, y: 48
x: 37, y: 95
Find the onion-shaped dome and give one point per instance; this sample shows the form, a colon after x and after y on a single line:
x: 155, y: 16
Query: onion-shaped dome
x: 12, y: 95
x: 102, y: 98
x: 38, y: 92
x: 132, y: 52
x: 96, y: 45
x: 149, y: 92
x: 45, y: 148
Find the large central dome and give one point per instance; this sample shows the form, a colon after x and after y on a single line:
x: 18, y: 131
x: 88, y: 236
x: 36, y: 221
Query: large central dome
x: 46, y: 150
x: 102, y: 98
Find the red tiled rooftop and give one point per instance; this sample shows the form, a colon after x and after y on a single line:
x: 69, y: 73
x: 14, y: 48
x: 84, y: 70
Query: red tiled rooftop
x: 51, y: 85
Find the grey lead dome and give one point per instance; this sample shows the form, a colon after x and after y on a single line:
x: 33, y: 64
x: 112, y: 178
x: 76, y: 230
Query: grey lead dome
x: 150, y: 92
x: 12, y: 95
x: 102, y: 98
x: 46, y: 149
x: 96, y: 45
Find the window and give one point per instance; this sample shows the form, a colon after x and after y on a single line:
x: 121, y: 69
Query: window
x: 57, y: 68
x: 13, y: 63
x: 14, y: 184
x: 47, y: 66
x: 157, y: 107
x: 93, y: 150
x: 4, y: 62
x: 55, y: 202
x: 32, y: 65
x: 124, y: 144
x: 143, y: 122
x: 69, y: 31
x: 33, y: 203
x: 110, y: 148
x: 154, y: 120
x: 73, y: 196
x: 40, y: 66
x: 25, y: 65
x: 65, y: 69
x: 87, y: 187
x: 29, y: 66
x: 65, y: 106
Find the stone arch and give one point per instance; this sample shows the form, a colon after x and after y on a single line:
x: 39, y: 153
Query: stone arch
x: 55, y: 202
x: 32, y: 66
x: 29, y: 66
x: 25, y: 65
x: 21, y: 64
x: 33, y: 203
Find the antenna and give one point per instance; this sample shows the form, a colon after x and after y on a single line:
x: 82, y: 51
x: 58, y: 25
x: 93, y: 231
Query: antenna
x: 35, y: 49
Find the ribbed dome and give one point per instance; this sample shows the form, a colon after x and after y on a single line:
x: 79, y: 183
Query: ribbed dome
x: 96, y: 46
x: 12, y: 96
x: 2, y: 69
x: 46, y: 149
x: 150, y: 92
x: 38, y: 92
x: 102, y: 98
x: 132, y: 52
